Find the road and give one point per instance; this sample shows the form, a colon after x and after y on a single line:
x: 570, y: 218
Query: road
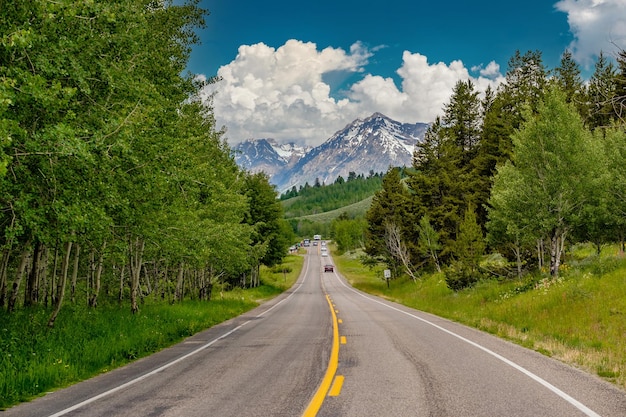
x: 323, y: 348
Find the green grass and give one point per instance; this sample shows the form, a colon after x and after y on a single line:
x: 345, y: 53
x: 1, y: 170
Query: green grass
x: 579, y: 318
x: 85, y: 342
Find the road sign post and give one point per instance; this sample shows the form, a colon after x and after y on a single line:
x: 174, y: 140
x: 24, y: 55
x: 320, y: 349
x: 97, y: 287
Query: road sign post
x: 387, y: 275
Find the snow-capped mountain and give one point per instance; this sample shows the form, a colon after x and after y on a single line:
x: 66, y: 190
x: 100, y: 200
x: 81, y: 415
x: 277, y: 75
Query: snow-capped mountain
x: 372, y: 144
x: 256, y: 155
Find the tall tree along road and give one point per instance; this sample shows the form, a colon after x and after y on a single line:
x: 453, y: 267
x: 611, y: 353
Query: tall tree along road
x: 325, y: 349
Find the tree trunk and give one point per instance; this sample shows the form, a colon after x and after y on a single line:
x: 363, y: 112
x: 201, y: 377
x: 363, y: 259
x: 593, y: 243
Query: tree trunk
x: 53, y: 279
x: 540, y: 251
x: 6, y: 254
x: 135, y: 254
x: 75, y: 274
x: 65, y: 265
x: 146, y: 278
x: 31, y: 294
x: 43, y: 275
x: 18, y: 279
x: 179, y: 283
x: 120, y: 295
x: 557, y: 242
x: 165, y: 287
x: 4, y: 270
x: 397, y: 249
x: 97, y: 278
x: 518, y: 260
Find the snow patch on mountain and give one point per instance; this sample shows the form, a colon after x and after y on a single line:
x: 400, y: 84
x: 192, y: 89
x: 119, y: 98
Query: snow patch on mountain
x: 364, y: 146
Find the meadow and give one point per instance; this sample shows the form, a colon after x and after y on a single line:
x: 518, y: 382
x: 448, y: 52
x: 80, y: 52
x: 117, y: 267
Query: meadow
x: 88, y: 341
x: 578, y: 318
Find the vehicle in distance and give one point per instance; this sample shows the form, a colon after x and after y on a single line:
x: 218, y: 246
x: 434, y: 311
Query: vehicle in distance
x: 329, y: 268
x: 317, y: 237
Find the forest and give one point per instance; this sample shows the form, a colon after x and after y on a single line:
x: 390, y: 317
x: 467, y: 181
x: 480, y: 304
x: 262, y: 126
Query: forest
x: 518, y: 174
x: 114, y: 181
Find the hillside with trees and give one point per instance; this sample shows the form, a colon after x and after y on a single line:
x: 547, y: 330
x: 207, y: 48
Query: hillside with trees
x: 523, y: 171
x: 115, y: 181
x: 316, y: 209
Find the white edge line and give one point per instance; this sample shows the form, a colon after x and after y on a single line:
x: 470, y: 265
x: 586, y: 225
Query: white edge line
x: 523, y: 370
x: 167, y: 365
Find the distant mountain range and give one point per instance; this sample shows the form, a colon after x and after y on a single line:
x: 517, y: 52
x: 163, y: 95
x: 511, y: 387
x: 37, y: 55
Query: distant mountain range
x: 372, y: 144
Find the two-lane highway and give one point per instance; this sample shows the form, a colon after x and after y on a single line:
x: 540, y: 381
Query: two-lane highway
x: 396, y: 361
x: 267, y: 362
x: 325, y: 349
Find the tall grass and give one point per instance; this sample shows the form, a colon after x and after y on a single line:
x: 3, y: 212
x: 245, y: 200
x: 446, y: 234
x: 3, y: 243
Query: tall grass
x: 579, y: 318
x: 85, y: 342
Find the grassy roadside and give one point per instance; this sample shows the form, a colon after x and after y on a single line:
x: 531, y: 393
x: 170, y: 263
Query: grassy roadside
x: 579, y: 319
x: 86, y: 342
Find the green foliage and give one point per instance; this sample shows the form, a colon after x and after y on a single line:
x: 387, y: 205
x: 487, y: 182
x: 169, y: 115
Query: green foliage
x: 448, y: 174
x: 314, y: 209
x: 119, y: 178
x: 554, y: 174
x: 348, y: 234
x: 314, y: 200
x: 578, y: 319
x: 390, y: 205
x: 469, y: 248
x: 428, y: 243
x: 265, y: 215
x: 87, y: 341
x: 599, y: 112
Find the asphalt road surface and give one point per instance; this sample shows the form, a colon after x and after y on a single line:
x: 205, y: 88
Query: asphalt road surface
x: 323, y: 348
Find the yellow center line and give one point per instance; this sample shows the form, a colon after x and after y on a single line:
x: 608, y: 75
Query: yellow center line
x: 336, y: 388
x: 317, y: 400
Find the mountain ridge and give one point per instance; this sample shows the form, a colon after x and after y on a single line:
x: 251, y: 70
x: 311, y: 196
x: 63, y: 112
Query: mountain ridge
x: 372, y: 144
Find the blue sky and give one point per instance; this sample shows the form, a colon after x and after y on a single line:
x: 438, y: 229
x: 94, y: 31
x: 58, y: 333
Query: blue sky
x: 299, y: 71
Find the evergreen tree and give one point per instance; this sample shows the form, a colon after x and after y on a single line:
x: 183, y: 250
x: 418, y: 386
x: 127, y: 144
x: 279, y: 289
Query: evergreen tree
x: 567, y: 77
x: 600, y: 92
x: 389, y: 206
x: 446, y: 180
x: 618, y: 101
x: 524, y: 86
x: 469, y: 249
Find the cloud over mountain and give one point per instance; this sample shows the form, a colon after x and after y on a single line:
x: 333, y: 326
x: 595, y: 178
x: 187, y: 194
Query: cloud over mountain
x: 281, y: 92
x: 286, y: 92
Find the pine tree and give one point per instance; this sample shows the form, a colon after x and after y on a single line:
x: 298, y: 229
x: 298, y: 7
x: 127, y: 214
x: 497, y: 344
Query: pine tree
x: 468, y: 251
x: 389, y: 206
x: 446, y: 180
x: 567, y: 77
x: 600, y: 92
x: 618, y: 101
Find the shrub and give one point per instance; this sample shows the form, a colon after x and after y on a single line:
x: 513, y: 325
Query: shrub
x: 460, y: 275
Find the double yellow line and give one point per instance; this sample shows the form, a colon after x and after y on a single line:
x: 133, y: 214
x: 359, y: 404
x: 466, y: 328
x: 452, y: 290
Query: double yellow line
x: 318, y: 398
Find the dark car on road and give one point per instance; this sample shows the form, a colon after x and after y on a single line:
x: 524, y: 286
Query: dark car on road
x: 329, y: 268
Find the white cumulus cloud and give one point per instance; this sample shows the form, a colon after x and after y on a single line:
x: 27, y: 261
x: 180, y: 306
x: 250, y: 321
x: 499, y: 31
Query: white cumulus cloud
x: 280, y: 92
x: 597, y: 25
